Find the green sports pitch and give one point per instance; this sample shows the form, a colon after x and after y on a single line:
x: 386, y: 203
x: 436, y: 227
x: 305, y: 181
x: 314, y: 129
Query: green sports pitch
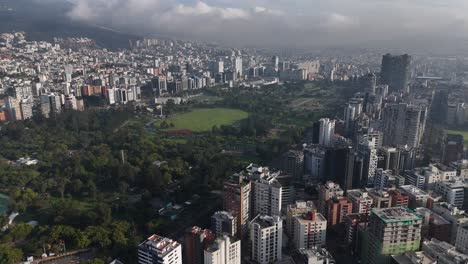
x: 203, y: 120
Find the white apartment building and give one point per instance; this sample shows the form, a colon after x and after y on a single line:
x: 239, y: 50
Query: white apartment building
x: 327, y: 130
x: 310, y: 230
x: 267, y: 194
x: 298, y: 208
x: 266, y: 238
x: 159, y: 250
x: 224, y: 250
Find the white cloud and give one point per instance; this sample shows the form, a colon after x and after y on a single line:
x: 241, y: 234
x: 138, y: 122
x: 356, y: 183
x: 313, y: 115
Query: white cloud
x: 285, y: 22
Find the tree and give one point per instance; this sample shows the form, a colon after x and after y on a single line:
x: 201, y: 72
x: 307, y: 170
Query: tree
x: 9, y: 254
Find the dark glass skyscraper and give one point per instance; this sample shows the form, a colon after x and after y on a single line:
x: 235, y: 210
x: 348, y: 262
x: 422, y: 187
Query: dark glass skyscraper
x: 395, y: 72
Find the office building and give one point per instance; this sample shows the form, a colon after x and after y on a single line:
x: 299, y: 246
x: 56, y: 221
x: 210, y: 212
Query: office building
x: 392, y: 231
x: 453, y: 192
x: 224, y: 223
x: 224, y: 250
x: 310, y: 230
x: 368, y: 83
x: 236, y: 200
x: 385, y: 179
x: 395, y: 72
x: 266, y: 238
x: 159, y: 250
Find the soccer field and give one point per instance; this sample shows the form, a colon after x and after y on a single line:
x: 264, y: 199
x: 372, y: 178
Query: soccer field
x: 459, y: 132
x: 202, y: 120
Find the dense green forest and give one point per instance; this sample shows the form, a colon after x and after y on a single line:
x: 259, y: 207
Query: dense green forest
x: 99, y: 172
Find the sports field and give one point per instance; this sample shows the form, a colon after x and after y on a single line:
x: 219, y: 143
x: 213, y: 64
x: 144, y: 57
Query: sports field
x: 459, y: 132
x: 202, y: 120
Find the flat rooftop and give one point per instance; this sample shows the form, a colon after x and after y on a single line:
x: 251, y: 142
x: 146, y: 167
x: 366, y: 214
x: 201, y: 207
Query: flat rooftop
x: 396, y: 214
x: 266, y: 221
x: 161, y: 245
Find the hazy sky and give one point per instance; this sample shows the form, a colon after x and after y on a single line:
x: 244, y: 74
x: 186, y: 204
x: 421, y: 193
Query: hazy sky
x: 299, y: 23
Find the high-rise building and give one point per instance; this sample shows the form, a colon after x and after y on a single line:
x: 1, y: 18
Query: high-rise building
x: 275, y: 62
x: 26, y: 107
x: 368, y: 83
x: 328, y: 191
x: 195, y: 241
x: 337, y: 210
x: 293, y: 164
x: 266, y: 238
x: 403, y: 125
x: 362, y: 202
x: 159, y: 250
x: 452, y: 149
x: 327, y: 130
x: 395, y: 72
x: 392, y: 231
x: 238, y: 67
x: 224, y: 223
x: 224, y: 250
x: 13, y: 108
x: 236, y: 200
x: 314, y: 164
x: 310, y: 230
x: 267, y: 195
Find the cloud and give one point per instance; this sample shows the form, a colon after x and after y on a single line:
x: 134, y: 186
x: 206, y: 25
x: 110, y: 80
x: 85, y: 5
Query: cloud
x: 305, y: 23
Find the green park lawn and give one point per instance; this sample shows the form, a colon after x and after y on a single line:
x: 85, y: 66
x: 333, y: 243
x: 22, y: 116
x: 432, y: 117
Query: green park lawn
x: 459, y: 132
x: 202, y: 120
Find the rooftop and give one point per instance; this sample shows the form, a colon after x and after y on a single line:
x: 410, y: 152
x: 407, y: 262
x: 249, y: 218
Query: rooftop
x: 266, y: 221
x: 414, y: 258
x: 395, y: 214
x: 161, y: 245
